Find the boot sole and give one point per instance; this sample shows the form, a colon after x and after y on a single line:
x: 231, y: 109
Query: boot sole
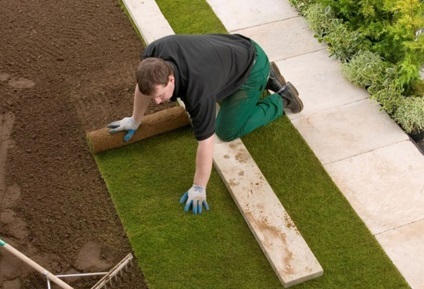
x: 296, y: 98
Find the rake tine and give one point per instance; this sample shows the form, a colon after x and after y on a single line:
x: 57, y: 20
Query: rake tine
x: 112, y: 276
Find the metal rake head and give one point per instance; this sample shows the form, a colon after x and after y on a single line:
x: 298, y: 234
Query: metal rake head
x: 114, y: 277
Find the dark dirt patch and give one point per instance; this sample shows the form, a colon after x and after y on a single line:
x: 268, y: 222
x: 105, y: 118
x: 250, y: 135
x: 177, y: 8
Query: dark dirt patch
x: 66, y: 67
x: 418, y: 139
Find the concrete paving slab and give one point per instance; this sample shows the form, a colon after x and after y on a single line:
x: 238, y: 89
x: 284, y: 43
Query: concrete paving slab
x: 349, y: 130
x: 320, y: 83
x: 405, y: 247
x: 236, y: 15
x: 284, y: 39
x: 283, y: 245
x: 385, y: 186
x: 149, y: 19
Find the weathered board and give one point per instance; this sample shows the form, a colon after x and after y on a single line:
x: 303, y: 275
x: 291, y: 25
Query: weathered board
x: 283, y: 245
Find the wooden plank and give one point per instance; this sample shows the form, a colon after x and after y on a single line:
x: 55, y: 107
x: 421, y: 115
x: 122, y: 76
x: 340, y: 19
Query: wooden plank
x: 286, y: 250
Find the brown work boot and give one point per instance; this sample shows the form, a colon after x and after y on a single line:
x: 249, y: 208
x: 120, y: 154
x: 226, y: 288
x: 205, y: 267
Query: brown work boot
x: 275, y: 81
x: 290, y: 97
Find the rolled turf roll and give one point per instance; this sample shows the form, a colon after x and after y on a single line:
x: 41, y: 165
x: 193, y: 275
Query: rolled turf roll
x: 153, y: 124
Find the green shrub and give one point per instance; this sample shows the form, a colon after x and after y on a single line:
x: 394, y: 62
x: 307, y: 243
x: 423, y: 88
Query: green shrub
x: 319, y: 19
x: 365, y: 69
x: 301, y: 5
x: 387, y: 27
x: 407, y: 19
x: 408, y: 70
x: 342, y: 43
x: 381, y: 46
x: 410, y: 114
x: 356, y: 13
x: 390, y: 96
x: 417, y: 88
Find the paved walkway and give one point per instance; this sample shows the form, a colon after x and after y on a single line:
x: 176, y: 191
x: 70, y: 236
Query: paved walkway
x: 372, y: 161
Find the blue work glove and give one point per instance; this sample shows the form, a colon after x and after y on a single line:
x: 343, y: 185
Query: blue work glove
x: 195, y: 198
x: 127, y: 123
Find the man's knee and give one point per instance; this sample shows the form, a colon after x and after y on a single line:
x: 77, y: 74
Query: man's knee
x: 225, y: 135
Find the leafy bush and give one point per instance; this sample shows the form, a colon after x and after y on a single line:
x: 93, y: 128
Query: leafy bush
x: 319, y: 19
x: 390, y: 96
x: 410, y: 114
x: 381, y: 46
x: 301, y: 5
x: 389, y: 28
x: 417, y: 88
x: 365, y: 69
x: 342, y: 43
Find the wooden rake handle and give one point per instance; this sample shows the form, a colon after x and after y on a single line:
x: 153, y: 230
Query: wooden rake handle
x: 34, y: 265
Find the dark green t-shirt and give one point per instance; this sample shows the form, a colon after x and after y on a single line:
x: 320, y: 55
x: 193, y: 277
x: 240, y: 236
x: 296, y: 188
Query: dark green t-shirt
x: 207, y: 68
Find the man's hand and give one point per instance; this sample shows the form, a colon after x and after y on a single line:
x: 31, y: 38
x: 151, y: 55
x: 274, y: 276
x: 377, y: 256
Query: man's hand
x: 195, y: 198
x: 127, y: 123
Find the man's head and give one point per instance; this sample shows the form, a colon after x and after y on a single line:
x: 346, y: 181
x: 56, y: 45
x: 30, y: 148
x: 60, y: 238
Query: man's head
x: 155, y: 78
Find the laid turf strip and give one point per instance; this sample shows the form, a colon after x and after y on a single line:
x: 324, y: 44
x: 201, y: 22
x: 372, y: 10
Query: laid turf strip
x: 176, y: 249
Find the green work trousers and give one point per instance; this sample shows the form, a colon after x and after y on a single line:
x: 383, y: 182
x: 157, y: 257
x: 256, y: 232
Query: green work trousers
x: 244, y: 110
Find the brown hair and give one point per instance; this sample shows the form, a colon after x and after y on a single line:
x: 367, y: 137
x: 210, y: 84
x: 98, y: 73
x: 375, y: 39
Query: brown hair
x: 152, y: 71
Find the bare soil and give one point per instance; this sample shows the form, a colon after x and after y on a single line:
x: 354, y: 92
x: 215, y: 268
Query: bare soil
x: 66, y: 68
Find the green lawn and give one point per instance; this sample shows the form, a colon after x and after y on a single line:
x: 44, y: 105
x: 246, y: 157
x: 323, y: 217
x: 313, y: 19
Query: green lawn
x: 216, y: 249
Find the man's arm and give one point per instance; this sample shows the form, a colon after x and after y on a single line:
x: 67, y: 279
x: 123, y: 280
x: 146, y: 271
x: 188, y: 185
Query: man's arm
x: 195, y: 197
x: 204, y: 159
